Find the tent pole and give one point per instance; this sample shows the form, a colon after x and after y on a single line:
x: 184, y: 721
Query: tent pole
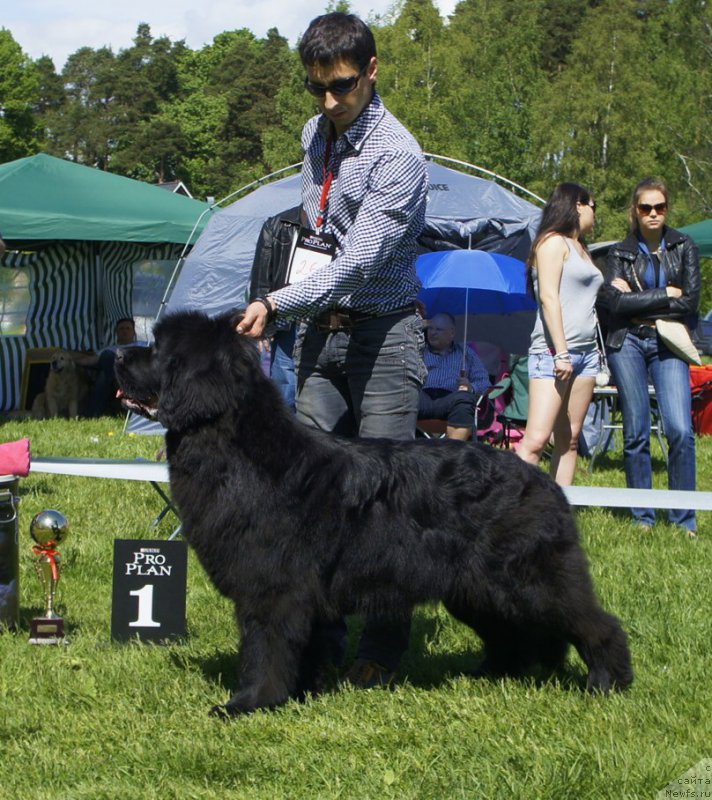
x: 463, y: 368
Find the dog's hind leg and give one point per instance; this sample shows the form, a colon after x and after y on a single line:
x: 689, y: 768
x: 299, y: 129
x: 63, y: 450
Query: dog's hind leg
x: 270, y: 659
x: 503, y: 643
x: 512, y: 649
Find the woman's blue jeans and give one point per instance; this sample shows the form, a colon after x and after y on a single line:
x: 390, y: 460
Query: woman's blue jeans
x: 638, y: 363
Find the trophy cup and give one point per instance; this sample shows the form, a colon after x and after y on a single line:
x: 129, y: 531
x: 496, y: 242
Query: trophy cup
x: 48, y: 529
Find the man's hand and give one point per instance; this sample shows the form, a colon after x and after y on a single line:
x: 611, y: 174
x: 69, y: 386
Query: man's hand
x: 254, y: 322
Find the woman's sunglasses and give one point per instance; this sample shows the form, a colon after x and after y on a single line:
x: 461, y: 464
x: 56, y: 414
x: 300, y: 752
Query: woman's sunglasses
x: 590, y: 203
x: 338, y: 88
x: 646, y: 208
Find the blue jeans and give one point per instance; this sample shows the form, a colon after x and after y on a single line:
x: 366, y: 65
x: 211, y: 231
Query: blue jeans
x: 282, y: 365
x: 638, y: 362
x: 364, y: 382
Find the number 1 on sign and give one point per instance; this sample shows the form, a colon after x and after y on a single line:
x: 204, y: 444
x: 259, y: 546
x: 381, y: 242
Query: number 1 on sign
x: 145, y: 608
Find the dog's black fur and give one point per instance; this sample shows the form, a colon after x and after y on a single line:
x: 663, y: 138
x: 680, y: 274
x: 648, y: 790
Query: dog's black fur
x: 297, y: 526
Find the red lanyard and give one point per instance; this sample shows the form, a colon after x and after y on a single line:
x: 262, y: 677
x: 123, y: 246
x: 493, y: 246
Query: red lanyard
x: 326, y: 186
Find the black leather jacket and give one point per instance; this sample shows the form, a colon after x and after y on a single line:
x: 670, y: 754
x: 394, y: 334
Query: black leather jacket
x: 274, y: 246
x: 682, y: 267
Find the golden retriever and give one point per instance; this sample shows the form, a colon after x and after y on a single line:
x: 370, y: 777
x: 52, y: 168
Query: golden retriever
x: 64, y: 391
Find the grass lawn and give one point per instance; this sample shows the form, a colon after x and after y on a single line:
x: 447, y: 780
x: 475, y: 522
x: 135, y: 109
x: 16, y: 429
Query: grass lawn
x: 96, y: 719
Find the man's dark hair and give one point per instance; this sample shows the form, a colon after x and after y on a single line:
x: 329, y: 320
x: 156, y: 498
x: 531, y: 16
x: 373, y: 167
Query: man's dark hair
x: 125, y: 319
x: 337, y: 37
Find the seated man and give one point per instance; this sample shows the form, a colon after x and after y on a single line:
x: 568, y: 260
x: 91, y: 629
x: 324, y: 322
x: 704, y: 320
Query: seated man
x: 456, y: 380
x: 103, y: 390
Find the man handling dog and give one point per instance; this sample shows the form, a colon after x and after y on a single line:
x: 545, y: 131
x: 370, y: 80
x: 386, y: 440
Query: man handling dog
x: 352, y: 281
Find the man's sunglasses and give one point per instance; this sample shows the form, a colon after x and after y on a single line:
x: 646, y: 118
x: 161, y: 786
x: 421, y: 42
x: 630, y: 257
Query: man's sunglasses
x: 646, y: 208
x: 338, y: 88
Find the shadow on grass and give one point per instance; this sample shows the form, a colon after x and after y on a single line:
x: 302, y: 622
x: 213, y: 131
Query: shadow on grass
x: 431, y: 670
x: 420, y: 669
x: 219, y: 668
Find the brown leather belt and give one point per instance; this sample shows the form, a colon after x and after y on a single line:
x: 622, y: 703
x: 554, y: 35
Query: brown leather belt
x: 343, y: 319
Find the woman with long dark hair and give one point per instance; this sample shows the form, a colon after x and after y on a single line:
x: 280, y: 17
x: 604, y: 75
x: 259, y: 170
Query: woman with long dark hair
x: 653, y: 274
x: 563, y: 358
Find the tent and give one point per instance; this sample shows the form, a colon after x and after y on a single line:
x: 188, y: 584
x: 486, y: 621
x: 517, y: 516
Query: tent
x: 701, y: 233
x: 47, y: 198
x: 463, y: 211
x: 81, y: 243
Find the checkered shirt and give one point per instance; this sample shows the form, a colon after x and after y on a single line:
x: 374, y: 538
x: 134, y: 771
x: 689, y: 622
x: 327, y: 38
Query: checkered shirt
x: 376, y: 211
x: 444, y: 369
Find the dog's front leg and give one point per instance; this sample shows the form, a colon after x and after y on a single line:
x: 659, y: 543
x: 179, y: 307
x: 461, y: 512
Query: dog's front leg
x: 270, y: 657
x: 52, y: 407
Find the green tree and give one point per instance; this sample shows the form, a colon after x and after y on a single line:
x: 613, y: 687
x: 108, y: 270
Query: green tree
x: 294, y: 106
x: 148, y: 144
x: 596, y: 119
x: 232, y: 87
x: 412, y: 76
x: 82, y: 127
x: 19, y: 94
x: 494, y: 77
x: 683, y: 72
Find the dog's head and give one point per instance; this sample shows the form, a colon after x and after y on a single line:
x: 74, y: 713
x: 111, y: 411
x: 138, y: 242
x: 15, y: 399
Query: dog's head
x: 197, y: 369
x: 61, y: 361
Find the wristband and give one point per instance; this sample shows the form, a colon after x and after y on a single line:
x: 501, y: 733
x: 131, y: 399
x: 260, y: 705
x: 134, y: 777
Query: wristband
x: 563, y: 356
x: 271, y: 313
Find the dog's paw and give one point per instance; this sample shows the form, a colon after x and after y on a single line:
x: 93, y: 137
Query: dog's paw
x: 225, y: 712
x: 230, y: 711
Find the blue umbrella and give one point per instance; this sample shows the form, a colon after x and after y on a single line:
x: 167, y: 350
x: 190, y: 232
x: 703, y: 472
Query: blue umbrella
x: 485, y: 292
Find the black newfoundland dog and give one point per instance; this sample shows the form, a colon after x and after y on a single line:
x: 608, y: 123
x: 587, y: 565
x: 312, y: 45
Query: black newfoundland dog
x: 297, y: 526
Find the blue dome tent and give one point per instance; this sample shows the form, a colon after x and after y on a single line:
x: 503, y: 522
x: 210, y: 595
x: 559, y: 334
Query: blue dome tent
x: 464, y: 211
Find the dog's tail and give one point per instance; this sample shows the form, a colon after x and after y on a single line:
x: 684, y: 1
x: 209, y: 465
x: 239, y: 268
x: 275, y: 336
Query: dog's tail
x: 603, y: 645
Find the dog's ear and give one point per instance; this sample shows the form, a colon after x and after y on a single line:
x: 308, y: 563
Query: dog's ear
x: 194, y: 378
x: 190, y: 394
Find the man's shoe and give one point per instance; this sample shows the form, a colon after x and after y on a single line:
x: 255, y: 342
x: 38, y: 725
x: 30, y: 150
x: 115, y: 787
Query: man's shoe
x: 366, y: 674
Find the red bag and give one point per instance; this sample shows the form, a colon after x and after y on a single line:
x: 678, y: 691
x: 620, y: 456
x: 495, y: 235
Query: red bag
x: 701, y: 386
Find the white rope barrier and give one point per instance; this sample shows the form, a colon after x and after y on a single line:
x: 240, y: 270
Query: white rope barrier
x: 604, y: 496
x: 103, y: 468
x: 609, y: 497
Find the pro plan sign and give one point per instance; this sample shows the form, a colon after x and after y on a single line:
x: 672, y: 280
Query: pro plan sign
x: 149, y: 589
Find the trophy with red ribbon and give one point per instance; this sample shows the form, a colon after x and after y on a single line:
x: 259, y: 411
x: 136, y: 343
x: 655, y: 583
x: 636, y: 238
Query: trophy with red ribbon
x: 48, y: 529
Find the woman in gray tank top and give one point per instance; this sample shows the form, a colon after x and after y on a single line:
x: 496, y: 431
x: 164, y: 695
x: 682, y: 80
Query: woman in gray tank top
x: 563, y: 358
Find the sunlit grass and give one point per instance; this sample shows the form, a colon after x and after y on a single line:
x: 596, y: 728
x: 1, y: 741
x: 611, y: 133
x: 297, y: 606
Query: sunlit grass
x: 96, y: 719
